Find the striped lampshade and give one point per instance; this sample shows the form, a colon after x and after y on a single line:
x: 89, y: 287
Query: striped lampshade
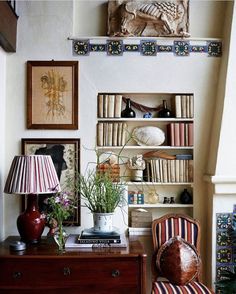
x: 32, y: 174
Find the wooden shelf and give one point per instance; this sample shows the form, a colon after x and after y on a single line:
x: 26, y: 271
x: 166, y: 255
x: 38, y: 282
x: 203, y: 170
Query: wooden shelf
x: 147, y: 119
x: 145, y: 147
x: 158, y: 184
x: 160, y: 205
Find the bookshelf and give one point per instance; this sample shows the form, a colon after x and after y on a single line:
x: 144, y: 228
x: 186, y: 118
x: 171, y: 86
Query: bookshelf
x: 179, y: 141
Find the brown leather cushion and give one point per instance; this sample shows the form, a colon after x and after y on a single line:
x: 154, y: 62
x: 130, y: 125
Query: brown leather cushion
x: 178, y: 261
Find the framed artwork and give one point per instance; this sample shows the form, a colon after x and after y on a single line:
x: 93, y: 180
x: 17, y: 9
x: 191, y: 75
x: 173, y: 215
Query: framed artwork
x: 52, y: 95
x: 65, y: 155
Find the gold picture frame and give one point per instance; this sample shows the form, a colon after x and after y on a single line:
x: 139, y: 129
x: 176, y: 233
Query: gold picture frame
x: 52, y: 94
x: 65, y: 155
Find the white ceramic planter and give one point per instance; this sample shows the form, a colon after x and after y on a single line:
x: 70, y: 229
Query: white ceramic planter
x: 103, y: 222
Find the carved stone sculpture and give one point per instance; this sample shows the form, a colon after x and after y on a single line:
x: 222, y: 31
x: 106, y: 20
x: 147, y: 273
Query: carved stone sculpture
x: 148, y: 18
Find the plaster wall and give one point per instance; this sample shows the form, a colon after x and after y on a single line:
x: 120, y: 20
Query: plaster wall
x: 2, y: 132
x: 43, y: 28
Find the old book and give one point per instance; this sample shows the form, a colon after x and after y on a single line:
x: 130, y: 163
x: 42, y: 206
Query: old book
x: 181, y: 171
x: 100, y: 134
x: 142, y: 218
x: 109, y: 134
x: 124, y: 134
x: 172, y: 171
x: 118, y: 105
x: 177, y: 134
x: 178, y: 106
x: 171, y: 134
x: 186, y: 134
x: 187, y: 106
x: 177, y: 180
x: 183, y: 106
x: 140, y: 212
x: 190, y: 134
x: 161, y: 169
x: 119, y: 135
x: 105, y: 134
x: 164, y: 168
x: 114, y: 134
x: 91, y: 234
x: 100, y: 105
x: 191, y: 106
x: 182, y: 134
x: 111, y: 105
x: 153, y: 176
x: 105, y: 105
x: 141, y: 224
x: 190, y: 170
x: 168, y: 170
x: 158, y: 177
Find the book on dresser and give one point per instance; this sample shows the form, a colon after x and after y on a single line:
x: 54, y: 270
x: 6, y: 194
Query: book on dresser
x: 75, y: 241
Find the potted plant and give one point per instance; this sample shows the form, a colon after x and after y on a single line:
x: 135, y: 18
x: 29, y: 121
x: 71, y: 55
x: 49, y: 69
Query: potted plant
x: 101, y: 196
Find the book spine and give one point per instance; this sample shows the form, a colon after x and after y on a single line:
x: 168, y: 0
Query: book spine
x: 177, y: 134
x: 105, y: 106
x: 118, y: 104
x: 111, y: 105
x: 124, y: 134
x: 100, y: 134
x: 98, y: 241
x: 190, y: 134
x: 114, y: 134
x: 109, y: 135
x: 191, y: 106
x: 100, y: 105
x: 183, y: 106
x: 182, y: 134
x: 178, y: 106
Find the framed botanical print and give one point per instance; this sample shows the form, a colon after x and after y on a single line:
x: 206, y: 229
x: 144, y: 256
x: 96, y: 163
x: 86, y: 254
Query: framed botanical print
x: 52, y: 94
x: 65, y: 155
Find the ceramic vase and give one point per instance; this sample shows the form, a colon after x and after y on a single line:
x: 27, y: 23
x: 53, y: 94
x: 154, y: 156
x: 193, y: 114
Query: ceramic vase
x: 103, y: 222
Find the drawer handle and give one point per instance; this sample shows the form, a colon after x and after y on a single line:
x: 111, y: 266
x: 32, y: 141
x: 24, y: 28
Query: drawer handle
x: 66, y: 271
x: 17, y: 275
x: 115, y: 273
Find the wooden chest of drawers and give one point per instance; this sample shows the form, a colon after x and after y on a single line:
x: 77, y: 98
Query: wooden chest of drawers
x: 101, y: 270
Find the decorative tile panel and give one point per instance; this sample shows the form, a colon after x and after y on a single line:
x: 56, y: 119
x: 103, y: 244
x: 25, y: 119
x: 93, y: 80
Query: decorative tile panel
x: 225, y: 247
x: 116, y: 47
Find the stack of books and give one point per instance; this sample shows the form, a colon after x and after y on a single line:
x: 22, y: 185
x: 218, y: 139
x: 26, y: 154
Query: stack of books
x: 141, y: 218
x: 89, y: 238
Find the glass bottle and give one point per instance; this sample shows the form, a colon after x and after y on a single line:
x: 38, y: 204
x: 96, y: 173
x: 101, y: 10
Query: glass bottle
x: 128, y: 111
x: 164, y: 112
x: 186, y: 197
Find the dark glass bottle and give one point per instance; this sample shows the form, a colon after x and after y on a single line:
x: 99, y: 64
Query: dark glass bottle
x: 164, y: 112
x: 186, y: 197
x: 128, y: 111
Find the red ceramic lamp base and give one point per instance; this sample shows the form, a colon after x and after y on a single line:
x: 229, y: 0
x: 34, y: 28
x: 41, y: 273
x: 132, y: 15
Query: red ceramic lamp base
x: 31, y: 222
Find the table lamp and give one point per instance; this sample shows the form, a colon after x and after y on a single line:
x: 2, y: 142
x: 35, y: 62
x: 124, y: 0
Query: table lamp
x: 32, y: 175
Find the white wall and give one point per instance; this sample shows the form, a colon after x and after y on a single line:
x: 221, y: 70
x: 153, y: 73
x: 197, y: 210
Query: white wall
x: 43, y: 28
x: 2, y: 134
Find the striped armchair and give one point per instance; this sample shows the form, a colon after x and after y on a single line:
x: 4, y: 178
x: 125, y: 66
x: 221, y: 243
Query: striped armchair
x: 163, y: 229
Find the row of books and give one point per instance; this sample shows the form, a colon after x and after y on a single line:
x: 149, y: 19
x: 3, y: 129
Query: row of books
x: 109, y: 105
x: 184, y: 107
x: 141, y: 218
x: 111, y: 134
x: 169, y: 170
x: 89, y: 238
x: 180, y: 134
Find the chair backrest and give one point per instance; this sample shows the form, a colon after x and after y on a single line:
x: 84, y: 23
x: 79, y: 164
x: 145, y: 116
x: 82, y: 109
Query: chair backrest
x: 172, y: 225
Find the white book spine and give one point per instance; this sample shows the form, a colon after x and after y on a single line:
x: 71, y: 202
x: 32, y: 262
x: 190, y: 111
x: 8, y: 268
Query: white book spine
x: 105, y: 106
x: 178, y: 106
x: 111, y: 105
x: 100, y: 134
x: 183, y: 106
x: 118, y: 103
x: 191, y: 106
x: 100, y: 105
x: 114, y: 134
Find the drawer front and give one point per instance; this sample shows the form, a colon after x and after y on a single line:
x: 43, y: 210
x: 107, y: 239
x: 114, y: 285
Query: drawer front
x: 56, y: 273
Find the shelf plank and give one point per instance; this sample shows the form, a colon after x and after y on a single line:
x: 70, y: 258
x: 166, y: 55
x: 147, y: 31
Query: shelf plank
x: 147, y: 119
x: 158, y: 184
x: 147, y: 147
x: 160, y: 205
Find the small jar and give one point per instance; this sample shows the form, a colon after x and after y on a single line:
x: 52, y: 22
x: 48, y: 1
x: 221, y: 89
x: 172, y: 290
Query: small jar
x: 153, y: 198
